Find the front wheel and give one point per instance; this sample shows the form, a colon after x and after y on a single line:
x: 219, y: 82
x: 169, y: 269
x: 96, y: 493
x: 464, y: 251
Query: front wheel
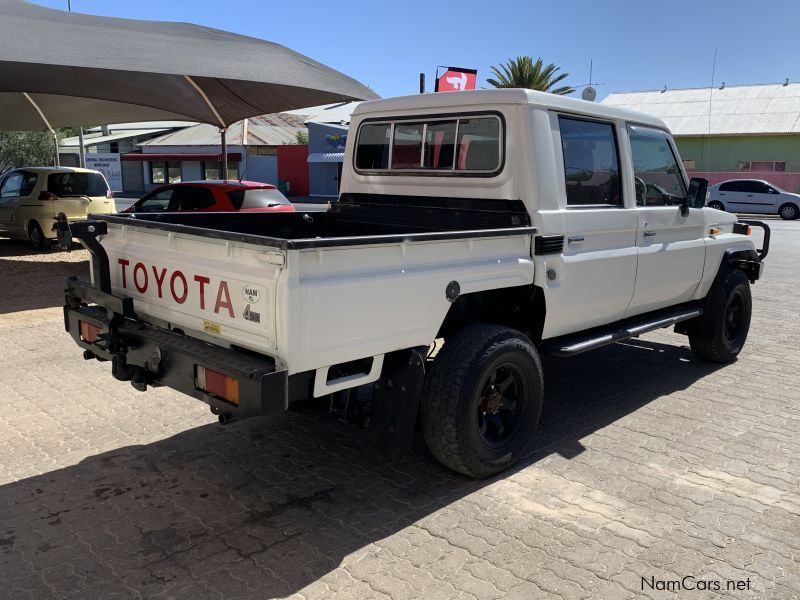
x: 482, y: 400
x: 716, y: 205
x: 789, y: 212
x: 720, y: 334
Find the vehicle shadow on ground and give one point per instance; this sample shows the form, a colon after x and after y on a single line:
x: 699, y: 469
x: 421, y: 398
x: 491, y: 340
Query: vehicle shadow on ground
x: 31, y: 279
x: 278, y: 503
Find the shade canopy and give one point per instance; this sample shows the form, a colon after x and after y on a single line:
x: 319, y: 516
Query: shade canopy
x: 70, y: 69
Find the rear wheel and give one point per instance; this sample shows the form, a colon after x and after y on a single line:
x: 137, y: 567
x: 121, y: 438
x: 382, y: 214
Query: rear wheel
x: 482, y: 400
x: 36, y: 236
x: 722, y: 331
x: 789, y: 211
x: 717, y: 205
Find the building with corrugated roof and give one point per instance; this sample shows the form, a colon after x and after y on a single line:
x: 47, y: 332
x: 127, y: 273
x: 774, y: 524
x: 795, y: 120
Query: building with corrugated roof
x: 194, y: 153
x: 726, y: 132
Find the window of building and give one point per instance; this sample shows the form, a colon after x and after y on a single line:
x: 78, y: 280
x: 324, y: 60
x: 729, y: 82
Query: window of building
x: 689, y: 164
x: 469, y: 144
x: 262, y: 150
x: 165, y: 172
x: 591, y: 162
x: 212, y: 169
x: 762, y: 165
x: 659, y: 181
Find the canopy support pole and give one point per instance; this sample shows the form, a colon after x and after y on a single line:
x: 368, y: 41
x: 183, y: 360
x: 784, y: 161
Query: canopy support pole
x: 224, y: 146
x: 222, y: 126
x: 57, y: 160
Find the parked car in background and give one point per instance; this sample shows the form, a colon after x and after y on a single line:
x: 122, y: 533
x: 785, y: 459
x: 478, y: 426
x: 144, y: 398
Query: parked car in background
x: 754, y: 196
x: 31, y: 197
x: 213, y: 196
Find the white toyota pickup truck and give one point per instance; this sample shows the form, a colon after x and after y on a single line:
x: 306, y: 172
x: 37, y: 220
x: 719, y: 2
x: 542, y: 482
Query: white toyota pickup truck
x: 508, y: 223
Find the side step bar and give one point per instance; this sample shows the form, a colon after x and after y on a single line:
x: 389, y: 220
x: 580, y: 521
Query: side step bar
x: 577, y: 343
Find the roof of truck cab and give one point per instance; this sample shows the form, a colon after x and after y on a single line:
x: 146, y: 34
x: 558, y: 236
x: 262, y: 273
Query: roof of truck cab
x: 56, y: 170
x: 488, y: 98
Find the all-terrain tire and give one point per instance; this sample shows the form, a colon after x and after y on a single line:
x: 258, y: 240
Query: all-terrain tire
x: 458, y: 392
x: 722, y: 330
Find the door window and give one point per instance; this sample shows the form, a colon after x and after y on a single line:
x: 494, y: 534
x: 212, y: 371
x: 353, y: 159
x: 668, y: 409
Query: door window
x: 156, y: 202
x: 659, y: 181
x: 12, y: 185
x: 192, y: 198
x: 591, y: 162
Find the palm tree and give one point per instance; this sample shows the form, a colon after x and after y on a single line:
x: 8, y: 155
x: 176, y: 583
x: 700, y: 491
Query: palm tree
x: 522, y: 72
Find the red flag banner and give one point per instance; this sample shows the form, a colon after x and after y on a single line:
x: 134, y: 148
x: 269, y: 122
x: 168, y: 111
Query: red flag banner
x: 455, y: 79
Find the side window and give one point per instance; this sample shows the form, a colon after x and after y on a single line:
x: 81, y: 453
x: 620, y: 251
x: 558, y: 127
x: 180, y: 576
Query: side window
x: 478, y: 144
x: 759, y: 187
x: 158, y: 202
x: 12, y: 185
x: 726, y: 187
x: 591, y: 162
x: 460, y: 145
x: 192, y: 198
x: 372, y: 151
x: 28, y: 183
x: 659, y: 181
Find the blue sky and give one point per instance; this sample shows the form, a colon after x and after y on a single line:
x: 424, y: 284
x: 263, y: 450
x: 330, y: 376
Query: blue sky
x: 635, y: 45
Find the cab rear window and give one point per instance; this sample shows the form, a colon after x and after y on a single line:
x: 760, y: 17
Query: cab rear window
x: 456, y: 145
x: 77, y: 184
x: 257, y: 198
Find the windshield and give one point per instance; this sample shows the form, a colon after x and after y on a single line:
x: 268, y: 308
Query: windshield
x: 77, y: 184
x: 256, y: 198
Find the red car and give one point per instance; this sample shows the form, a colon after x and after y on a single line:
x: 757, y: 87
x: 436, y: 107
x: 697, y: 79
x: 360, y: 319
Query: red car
x: 213, y: 196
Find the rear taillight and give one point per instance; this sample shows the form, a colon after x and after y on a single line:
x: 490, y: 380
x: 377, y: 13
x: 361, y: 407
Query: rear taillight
x: 109, y: 194
x: 90, y: 332
x: 218, y: 384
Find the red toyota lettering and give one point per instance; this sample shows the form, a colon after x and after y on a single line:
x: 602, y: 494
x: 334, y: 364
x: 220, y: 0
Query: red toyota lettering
x: 159, y: 280
x: 202, y: 281
x: 123, y: 262
x: 182, y: 298
x: 140, y: 268
x: 226, y: 303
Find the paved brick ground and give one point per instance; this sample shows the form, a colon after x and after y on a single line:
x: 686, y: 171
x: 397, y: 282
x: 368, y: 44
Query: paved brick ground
x: 648, y: 464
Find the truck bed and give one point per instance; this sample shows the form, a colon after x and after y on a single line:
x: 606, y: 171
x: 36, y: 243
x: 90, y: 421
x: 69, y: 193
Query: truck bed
x: 355, y: 220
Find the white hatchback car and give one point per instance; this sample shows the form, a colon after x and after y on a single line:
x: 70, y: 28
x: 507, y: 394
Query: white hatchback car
x: 753, y: 196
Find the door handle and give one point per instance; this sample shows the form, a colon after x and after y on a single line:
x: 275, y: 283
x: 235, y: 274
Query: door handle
x: 649, y: 234
x: 575, y: 239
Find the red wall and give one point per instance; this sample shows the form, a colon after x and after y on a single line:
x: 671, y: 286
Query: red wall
x: 293, y: 167
x: 787, y: 181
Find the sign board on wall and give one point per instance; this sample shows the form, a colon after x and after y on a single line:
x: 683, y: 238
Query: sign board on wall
x: 109, y: 165
x: 456, y: 79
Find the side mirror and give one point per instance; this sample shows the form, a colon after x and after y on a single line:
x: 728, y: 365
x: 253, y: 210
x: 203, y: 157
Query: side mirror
x: 47, y: 196
x: 696, y: 196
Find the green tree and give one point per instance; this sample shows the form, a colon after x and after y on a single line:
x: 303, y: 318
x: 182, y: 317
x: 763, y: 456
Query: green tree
x: 522, y: 72
x: 301, y: 136
x: 25, y: 149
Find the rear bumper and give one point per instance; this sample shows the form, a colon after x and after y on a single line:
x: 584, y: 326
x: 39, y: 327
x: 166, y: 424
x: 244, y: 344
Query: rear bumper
x: 148, y: 355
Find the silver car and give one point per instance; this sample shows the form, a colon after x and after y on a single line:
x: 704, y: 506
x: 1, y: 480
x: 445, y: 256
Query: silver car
x: 753, y: 196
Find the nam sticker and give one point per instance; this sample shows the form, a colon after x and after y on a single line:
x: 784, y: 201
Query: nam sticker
x: 251, y: 294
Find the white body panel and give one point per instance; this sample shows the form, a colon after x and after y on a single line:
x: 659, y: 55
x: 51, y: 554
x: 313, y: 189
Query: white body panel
x: 316, y: 308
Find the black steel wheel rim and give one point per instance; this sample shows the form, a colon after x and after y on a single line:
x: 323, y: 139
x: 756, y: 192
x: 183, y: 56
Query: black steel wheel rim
x: 734, y: 316
x: 500, y: 404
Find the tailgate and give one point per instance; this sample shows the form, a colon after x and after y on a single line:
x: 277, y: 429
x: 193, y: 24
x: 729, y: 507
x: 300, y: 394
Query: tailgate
x: 224, y: 289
